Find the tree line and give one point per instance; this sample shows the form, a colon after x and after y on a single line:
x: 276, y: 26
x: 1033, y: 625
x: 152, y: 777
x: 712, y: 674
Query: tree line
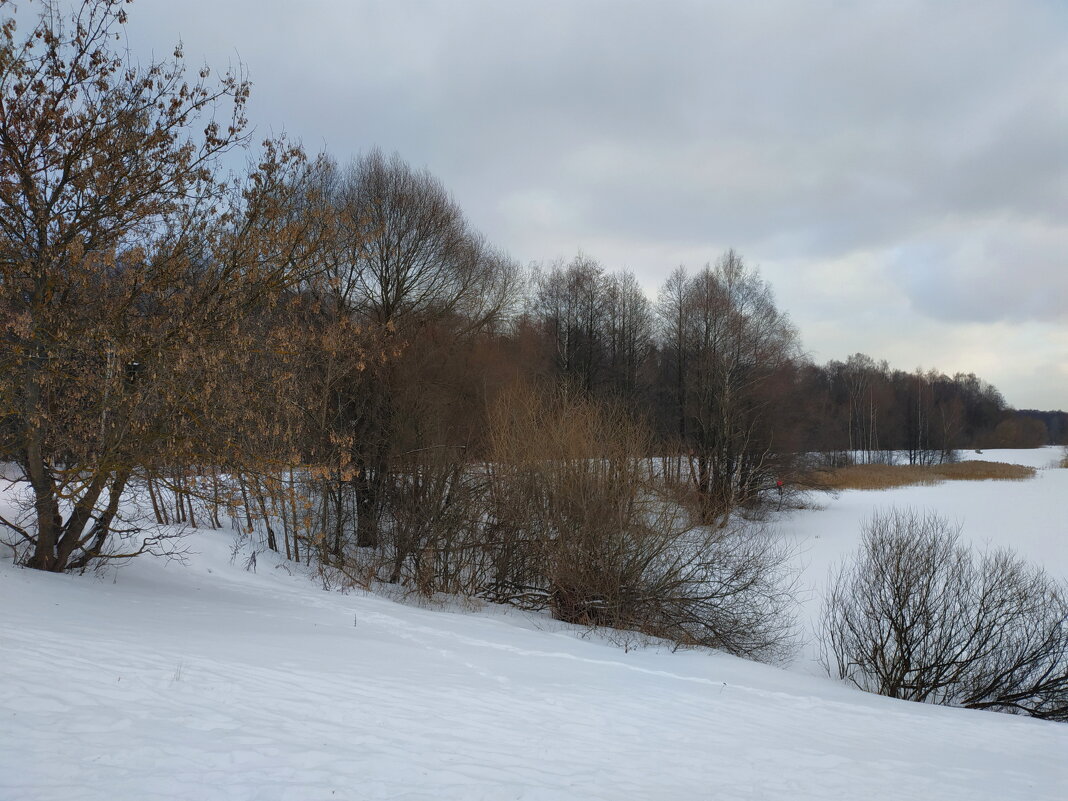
x: 165, y: 321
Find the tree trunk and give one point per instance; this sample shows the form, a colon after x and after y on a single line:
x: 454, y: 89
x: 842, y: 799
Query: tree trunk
x: 102, y: 527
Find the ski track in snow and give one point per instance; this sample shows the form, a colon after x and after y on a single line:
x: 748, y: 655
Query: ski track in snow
x: 207, y: 682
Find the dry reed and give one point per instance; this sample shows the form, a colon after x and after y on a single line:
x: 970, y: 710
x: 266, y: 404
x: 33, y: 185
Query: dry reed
x: 880, y: 476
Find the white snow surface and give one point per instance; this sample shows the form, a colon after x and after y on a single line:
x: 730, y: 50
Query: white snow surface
x: 1029, y: 517
x: 205, y: 681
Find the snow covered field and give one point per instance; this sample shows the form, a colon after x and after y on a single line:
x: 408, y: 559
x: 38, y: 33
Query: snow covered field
x: 204, y: 681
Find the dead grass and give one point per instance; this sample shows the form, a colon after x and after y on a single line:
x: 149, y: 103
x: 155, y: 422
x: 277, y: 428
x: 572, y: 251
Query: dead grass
x: 880, y: 476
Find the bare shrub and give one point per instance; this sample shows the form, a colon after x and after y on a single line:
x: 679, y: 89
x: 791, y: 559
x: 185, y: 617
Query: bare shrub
x: 729, y: 587
x: 918, y: 615
x: 581, y: 523
x: 433, y: 500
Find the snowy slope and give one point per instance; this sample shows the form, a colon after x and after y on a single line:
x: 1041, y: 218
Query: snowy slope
x: 205, y: 681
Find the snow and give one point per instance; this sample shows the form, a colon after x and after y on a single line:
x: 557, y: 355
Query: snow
x: 205, y: 681
x: 1041, y: 458
x: 1030, y: 517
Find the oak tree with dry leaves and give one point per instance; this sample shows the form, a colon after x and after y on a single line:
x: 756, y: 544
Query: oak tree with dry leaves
x: 128, y: 271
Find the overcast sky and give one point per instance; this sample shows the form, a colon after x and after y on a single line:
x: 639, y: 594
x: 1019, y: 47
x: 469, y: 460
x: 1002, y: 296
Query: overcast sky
x: 898, y: 171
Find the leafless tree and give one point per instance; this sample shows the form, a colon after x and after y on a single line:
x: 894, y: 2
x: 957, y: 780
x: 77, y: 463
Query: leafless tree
x: 672, y: 315
x: 404, y: 262
x: 918, y: 615
x: 407, y: 251
x: 628, y: 335
x: 729, y: 341
x: 570, y: 301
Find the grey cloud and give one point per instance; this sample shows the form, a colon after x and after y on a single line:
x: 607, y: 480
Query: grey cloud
x: 891, y: 112
x: 931, y: 137
x: 1006, y: 272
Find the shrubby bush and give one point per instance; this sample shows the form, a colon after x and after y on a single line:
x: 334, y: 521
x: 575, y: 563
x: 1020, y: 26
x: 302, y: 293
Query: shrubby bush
x: 916, y: 614
x: 611, y: 543
x: 568, y: 514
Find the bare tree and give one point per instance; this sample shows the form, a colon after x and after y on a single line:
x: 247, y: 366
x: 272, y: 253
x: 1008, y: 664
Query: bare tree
x: 917, y: 615
x: 629, y: 335
x: 672, y: 314
x: 730, y: 340
x: 570, y: 301
x: 404, y: 262
x: 407, y: 251
x: 861, y: 375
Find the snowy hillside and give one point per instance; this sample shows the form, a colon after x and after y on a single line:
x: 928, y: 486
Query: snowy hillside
x: 205, y: 681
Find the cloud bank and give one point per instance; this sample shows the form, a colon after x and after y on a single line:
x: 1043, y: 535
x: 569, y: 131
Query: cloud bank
x: 899, y: 170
